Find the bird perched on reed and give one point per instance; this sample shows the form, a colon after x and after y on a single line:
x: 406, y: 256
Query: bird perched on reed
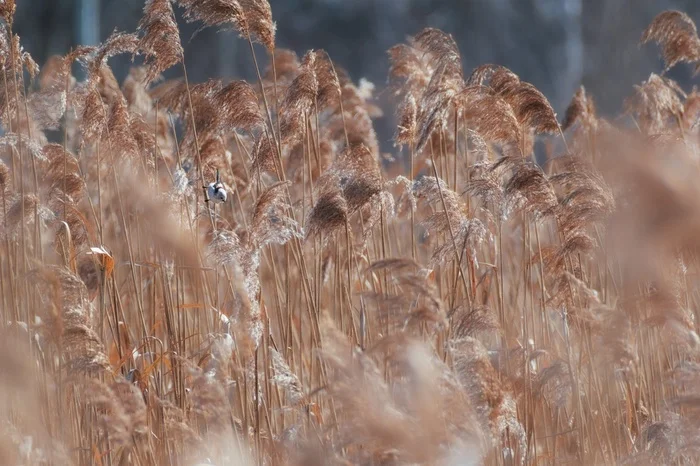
x: 216, y: 191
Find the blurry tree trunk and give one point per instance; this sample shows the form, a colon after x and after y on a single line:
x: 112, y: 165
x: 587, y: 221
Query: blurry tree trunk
x: 228, y: 53
x: 88, y: 21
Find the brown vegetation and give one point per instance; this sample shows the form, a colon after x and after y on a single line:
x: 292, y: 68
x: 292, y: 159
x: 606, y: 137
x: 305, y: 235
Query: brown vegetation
x: 470, y: 306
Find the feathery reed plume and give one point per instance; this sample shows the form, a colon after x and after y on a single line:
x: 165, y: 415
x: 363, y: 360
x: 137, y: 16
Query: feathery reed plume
x: 471, y: 322
x: 434, y: 111
x: 655, y: 101
x: 409, y: 70
x: 478, y: 146
x: 486, y: 182
x: 208, y: 398
x: 569, y: 291
x: 4, y: 177
x: 238, y: 107
x: 585, y: 197
x: 22, y: 208
x: 415, y: 292
x: 79, y: 344
x: 429, y: 188
x: 462, y: 232
x: 348, y: 367
x: 263, y: 154
x: 225, y: 247
x: 78, y: 225
x: 532, y: 109
x: 407, y: 116
x: 119, y: 130
x: 446, y: 81
x: 116, y: 44
x: 63, y: 173
x: 403, y: 428
x: 530, y: 106
x: 355, y: 123
x: 530, y: 185
x: 101, y: 89
x: 330, y: 211
x: 47, y: 106
x: 270, y: 221
x: 123, y: 422
x: 286, y: 379
x: 444, y: 52
x: 258, y: 15
x: 216, y: 13
x: 132, y: 402
x: 424, y: 74
x: 160, y: 41
x: 491, y: 397
x: 676, y: 34
x: 202, y: 103
x: 286, y: 67
x: 662, y: 441
x: 300, y: 98
x: 213, y: 157
x: 617, y: 335
x: 500, y: 75
x: 93, y: 114
x: 691, y: 111
x: 13, y: 60
x: 107, y: 85
x: 329, y: 91
x: 668, y: 314
x: 135, y: 91
x: 393, y: 264
x: 468, y: 235
x: 171, y: 94
x: 7, y: 10
x: 246, y: 309
x: 581, y: 109
x: 54, y: 73
x: 431, y: 310
x: 359, y: 176
x: 488, y: 115
x: 17, y: 142
x: 554, y: 258
x: 517, y: 365
x: 217, y: 109
x: 251, y: 18
x: 146, y: 140
x: 28, y: 62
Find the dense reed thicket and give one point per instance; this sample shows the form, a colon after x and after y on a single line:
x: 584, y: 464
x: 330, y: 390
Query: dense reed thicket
x: 232, y: 273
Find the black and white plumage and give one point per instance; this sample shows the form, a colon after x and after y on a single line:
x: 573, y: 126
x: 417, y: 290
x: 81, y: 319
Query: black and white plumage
x: 216, y: 191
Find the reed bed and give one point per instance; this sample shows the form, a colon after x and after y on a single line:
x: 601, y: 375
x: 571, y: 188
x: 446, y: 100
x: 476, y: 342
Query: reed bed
x: 234, y: 273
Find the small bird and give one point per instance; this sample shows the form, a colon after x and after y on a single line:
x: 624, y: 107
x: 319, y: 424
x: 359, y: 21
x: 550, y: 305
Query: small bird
x: 216, y: 191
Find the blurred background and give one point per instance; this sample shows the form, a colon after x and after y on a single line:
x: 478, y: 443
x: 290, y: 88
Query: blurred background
x: 554, y: 44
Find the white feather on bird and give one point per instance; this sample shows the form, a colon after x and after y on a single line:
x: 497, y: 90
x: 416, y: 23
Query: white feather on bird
x: 216, y: 191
